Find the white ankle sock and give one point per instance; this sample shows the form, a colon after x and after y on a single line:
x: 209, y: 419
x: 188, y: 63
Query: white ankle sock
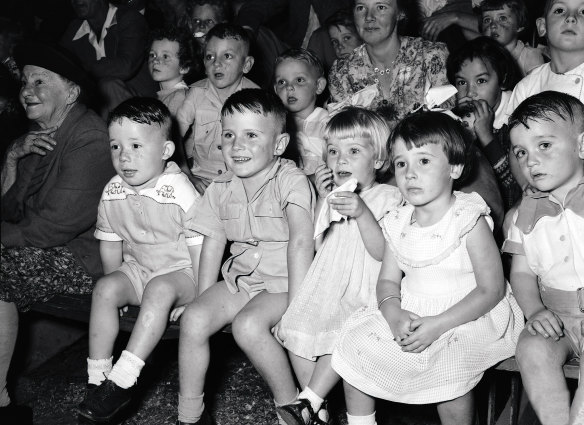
x: 126, y: 370
x: 190, y: 409
x: 98, y: 370
x: 314, y: 399
x: 361, y: 420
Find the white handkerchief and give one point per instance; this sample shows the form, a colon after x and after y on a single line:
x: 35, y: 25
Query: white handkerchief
x: 362, y: 98
x: 327, y: 215
x: 436, y: 96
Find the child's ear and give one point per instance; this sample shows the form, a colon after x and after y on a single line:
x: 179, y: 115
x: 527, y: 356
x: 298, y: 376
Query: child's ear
x: 247, y: 64
x: 168, y: 149
x: 540, y: 25
x: 184, y: 70
x: 281, y: 143
x: 378, y: 164
x: 581, y: 146
x: 456, y: 171
x: 320, y: 85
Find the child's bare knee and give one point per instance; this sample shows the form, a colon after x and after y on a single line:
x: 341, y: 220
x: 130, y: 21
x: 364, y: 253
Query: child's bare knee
x: 245, y: 328
x: 107, y: 288
x: 159, y: 289
x: 195, y: 322
x: 536, y: 352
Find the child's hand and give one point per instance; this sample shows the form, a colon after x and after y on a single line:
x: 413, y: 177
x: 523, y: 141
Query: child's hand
x: 347, y: 203
x: 176, y: 313
x: 200, y: 184
x: 546, y: 323
x: 483, y: 123
x: 399, y: 321
x: 324, y: 180
x: 424, y: 331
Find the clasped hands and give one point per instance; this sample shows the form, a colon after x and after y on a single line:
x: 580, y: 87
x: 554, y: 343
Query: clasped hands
x: 411, y: 332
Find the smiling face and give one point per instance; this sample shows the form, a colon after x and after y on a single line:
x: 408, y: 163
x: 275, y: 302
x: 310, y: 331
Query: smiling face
x: 476, y: 80
x: 423, y: 174
x: 352, y: 158
x: 251, y: 144
x: 344, y: 40
x: 163, y: 63
x: 375, y: 20
x: 225, y: 62
x: 297, y: 85
x: 45, y: 96
x: 502, y: 26
x: 550, y: 154
x: 564, y: 25
x: 139, y: 151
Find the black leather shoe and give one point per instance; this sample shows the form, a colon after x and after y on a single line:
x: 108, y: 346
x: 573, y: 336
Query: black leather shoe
x: 322, y: 417
x: 105, y: 401
x: 205, y: 419
x: 16, y: 415
x: 299, y: 413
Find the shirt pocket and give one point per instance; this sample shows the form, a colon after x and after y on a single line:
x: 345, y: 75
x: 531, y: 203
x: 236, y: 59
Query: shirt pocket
x: 270, y: 223
x: 232, y: 218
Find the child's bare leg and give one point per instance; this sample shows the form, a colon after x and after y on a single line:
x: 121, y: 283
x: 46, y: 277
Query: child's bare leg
x: 303, y: 368
x: 360, y: 406
x: 161, y: 294
x: 541, y: 363
x: 210, y: 312
x: 577, y: 410
x: 111, y: 292
x: 324, y: 377
x: 252, y: 332
x: 459, y: 411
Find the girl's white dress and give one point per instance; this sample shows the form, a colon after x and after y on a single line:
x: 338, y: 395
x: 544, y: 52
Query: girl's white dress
x: 341, y: 279
x: 438, y: 274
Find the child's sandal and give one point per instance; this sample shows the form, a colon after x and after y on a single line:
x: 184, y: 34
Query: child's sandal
x: 299, y: 413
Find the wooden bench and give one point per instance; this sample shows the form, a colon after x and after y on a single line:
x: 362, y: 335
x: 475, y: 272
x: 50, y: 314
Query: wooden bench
x: 77, y: 308
x: 571, y: 371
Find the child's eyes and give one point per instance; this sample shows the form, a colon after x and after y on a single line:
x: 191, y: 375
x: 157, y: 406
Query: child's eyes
x: 503, y: 18
x: 332, y: 151
x: 545, y: 145
x: 209, y: 58
x: 114, y: 147
x: 354, y: 151
x: 487, y: 21
x: 228, y: 56
x: 519, y: 153
x: 482, y: 81
x: 300, y: 80
x: 382, y: 7
x: 227, y: 135
x: 359, y: 8
x: 251, y: 135
x: 281, y: 83
x: 136, y: 145
x: 460, y: 82
x: 399, y: 164
x: 424, y: 161
x: 558, y: 11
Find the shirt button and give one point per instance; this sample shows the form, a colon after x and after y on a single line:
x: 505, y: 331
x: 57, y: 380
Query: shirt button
x: 562, y: 238
x: 577, y: 81
x: 566, y: 259
x: 384, y: 101
x: 219, y: 147
x: 256, y: 255
x: 220, y: 171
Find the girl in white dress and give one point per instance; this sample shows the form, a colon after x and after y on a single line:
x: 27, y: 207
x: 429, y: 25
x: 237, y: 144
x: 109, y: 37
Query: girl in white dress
x: 444, y: 312
x: 343, y: 275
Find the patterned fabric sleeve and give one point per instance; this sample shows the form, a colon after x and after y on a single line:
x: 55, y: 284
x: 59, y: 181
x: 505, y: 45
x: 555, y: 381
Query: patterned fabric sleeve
x: 435, y: 65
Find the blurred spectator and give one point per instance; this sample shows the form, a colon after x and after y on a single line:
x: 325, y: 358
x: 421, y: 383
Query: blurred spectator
x: 112, y: 45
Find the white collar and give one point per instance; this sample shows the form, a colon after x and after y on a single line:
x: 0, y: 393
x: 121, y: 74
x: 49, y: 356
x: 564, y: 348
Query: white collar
x: 85, y: 29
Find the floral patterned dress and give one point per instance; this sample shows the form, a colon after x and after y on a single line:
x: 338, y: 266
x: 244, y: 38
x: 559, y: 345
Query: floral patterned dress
x: 419, y: 64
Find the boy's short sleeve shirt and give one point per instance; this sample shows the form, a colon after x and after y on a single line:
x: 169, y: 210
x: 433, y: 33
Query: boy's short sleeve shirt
x: 258, y: 228
x: 311, y: 142
x: 203, y: 107
x: 543, y: 78
x: 551, y: 238
x: 155, y: 224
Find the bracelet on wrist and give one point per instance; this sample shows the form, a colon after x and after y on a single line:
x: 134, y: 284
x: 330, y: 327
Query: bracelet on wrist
x: 387, y: 299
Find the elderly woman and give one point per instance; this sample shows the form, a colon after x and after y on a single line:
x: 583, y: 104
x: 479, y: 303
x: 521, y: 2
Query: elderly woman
x: 52, y: 179
x: 397, y: 69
